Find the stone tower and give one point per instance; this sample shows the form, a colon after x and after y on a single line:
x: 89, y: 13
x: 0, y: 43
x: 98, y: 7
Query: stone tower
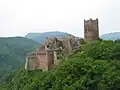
x: 91, y: 30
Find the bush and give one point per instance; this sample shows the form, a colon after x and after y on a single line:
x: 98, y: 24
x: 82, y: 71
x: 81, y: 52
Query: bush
x: 106, y: 50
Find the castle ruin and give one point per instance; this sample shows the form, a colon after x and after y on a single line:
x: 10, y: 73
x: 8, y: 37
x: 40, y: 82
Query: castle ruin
x: 91, y: 30
x: 46, y: 57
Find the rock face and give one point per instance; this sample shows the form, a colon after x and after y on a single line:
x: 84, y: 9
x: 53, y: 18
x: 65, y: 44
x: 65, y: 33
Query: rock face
x: 67, y: 44
x: 91, y: 30
x: 53, y: 43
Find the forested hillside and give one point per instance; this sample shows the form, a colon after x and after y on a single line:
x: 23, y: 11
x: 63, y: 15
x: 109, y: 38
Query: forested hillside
x: 95, y: 66
x: 12, y: 53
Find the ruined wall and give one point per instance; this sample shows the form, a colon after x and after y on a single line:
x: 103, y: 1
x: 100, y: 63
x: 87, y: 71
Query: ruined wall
x: 40, y: 60
x: 31, y: 62
x: 53, y: 43
x: 50, y: 59
x: 70, y: 44
x: 46, y: 56
x: 66, y: 44
x: 91, y: 30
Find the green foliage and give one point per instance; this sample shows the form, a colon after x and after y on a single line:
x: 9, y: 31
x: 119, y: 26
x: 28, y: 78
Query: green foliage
x: 12, y: 53
x: 95, y: 66
x: 74, y: 74
x: 117, y: 41
x: 82, y: 41
x: 106, y: 50
x: 99, y: 39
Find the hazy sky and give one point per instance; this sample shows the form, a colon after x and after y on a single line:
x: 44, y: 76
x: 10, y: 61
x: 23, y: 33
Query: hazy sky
x: 19, y: 17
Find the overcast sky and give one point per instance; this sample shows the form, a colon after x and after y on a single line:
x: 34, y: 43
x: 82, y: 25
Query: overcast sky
x: 19, y: 17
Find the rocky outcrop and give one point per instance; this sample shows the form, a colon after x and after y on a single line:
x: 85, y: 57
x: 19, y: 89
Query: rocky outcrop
x: 67, y: 44
x: 53, y: 43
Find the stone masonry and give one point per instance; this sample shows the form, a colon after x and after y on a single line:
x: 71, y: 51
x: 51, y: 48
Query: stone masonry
x: 44, y: 59
x: 66, y: 44
x: 46, y: 56
x: 91, y: 30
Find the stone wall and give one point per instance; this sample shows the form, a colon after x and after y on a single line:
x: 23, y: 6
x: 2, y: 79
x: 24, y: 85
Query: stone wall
x: 91, y: 30
x: 41, y: 59
x: 66, y: 44
x: 46, y: 57
x: 30, y: 63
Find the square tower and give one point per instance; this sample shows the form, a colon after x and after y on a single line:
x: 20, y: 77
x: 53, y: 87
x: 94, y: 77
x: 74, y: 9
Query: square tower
x: 91, y: 30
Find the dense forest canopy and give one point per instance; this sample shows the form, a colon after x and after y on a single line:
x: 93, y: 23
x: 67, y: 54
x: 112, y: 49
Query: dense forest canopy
x: 95, y: 66
x: 12, y: 53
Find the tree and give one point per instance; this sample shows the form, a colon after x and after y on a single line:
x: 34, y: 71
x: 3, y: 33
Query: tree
x: 82, y: 41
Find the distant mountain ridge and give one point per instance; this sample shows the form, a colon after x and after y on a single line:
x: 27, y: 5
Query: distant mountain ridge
x: 40, y: 37
x: 111, y: 36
